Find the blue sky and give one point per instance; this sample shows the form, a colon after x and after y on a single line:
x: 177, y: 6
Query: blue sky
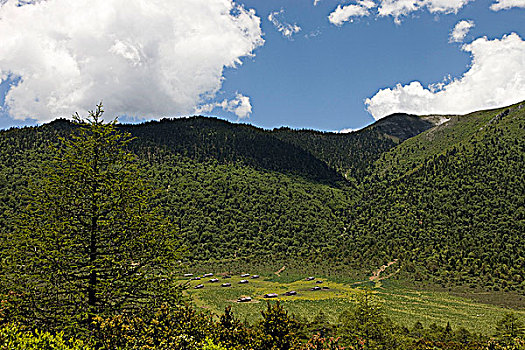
x: 318, y: 77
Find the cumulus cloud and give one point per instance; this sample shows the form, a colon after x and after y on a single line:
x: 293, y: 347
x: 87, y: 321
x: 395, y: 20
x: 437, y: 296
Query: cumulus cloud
x: 445, y: 6
x: 286, y: 29
x: 142, y: 58
x: 394, y: 8
x: 240, y: 106
x: 460, y: 31
x: 496, y: 78
x: 346, y: 13
x: 400, y: 8
x: 507, y: 4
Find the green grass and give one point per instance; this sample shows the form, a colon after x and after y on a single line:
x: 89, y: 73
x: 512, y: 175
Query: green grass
x: 407, y: 306
x: 305, y: 304
x: 403, y: 305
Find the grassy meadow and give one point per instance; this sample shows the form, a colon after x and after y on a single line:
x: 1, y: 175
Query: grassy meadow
x: 402, y: 304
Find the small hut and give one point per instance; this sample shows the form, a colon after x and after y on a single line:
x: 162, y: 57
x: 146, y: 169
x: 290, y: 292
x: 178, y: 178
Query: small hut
x: 271, y: 295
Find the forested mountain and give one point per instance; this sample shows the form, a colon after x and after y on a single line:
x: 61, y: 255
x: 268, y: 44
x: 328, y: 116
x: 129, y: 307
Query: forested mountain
x: 353, y: 154
x: 228, y: 199
x: 442, y: 194
x: 203, y: 139
x: 450, y: 202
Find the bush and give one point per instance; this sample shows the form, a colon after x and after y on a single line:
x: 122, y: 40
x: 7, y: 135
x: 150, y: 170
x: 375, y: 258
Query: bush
x: 13, y: 337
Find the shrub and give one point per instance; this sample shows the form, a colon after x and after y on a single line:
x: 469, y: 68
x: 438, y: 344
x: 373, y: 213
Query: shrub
x: 13, y: 337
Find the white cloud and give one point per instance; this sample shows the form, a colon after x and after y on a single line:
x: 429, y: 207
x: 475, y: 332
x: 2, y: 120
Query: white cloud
x: 347, y: 131
x: 345, y: 13
x: 507, y: 4
x: 398, y: 8
x: 316, y: 2
x: 445, y: 6
x: 240, y: 106
x: 143, y: 58
x: 496, y: 78
x: 460, y: 31
x: 286, y: 29
x: 394, y: 8
x: 313, y: 34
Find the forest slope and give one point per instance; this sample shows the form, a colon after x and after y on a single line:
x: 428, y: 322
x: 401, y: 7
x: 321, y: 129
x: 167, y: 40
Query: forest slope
x: 353, y: 154
x: 449, y: 203
x: 442, y: 194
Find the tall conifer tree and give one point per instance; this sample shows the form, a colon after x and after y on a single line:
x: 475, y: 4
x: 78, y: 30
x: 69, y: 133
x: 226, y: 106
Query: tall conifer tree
x: 90, y: 242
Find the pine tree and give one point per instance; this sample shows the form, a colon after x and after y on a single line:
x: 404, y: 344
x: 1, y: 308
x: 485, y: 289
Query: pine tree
x: 278, y: 329
x: 90, y: 242
x: 366, y: 324
x: 510, y: 326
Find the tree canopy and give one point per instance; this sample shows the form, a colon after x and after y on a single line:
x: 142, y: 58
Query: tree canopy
x: 90, y: 242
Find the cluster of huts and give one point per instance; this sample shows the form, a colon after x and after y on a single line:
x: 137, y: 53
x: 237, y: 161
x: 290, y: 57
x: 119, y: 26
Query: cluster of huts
x: 215, y: 280
x: 244, y: 281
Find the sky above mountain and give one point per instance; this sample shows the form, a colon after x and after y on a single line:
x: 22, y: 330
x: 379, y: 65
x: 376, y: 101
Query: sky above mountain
x: 323, y: 64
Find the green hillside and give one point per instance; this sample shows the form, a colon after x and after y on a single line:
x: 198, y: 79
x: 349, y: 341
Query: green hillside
x: 449, y: 203
x: 446, y: 201
x: 353, y: 154
x: 202, y: 139
x: 255, y: 196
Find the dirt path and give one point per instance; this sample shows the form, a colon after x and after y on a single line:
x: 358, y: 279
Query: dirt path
x: 278, y: 272
x: 376, y: 276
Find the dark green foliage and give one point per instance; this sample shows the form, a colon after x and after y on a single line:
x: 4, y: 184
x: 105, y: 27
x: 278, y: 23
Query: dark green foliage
x: 203, y: 139
x: 321, y: 326
x: 233, y: 210
x: 178, y: 327
x: 452, y: 211
x: 353, y: 154
x: 89, y: 241
x: 447, y: 203
x: 278, y: 329
x: 509, y: 327
x: 231, y: 331
x: 366, y: 325
x: 183, y: 327
x: 14, y: 337
x: 363, y: 327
